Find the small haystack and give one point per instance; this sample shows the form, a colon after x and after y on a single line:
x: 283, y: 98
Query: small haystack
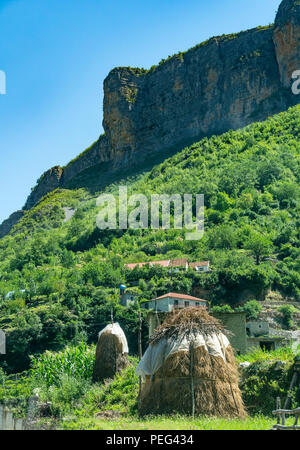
x: 111, y: 352
x: 189, y: 368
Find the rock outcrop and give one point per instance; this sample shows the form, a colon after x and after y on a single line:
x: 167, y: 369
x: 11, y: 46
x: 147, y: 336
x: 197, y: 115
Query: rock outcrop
x: 224, y: 83
x: 286, y: 38
x: 9, y: 223
x: 49, y: 181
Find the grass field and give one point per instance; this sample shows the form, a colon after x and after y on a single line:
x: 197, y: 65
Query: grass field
x: 170, y: 423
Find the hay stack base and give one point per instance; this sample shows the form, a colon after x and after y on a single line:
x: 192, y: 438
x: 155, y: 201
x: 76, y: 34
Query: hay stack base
x: 210, y: 382
x: 110, y: 355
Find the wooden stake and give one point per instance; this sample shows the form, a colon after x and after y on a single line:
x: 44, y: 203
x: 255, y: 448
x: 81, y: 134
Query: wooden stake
x: 192, y: 378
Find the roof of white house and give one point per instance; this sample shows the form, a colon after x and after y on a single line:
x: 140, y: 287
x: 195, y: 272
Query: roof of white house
x: 181, y: 297
x: 199, y: 264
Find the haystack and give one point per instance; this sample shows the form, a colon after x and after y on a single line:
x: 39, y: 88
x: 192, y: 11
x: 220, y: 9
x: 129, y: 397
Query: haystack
x: 189, y: 368
x: 111, y: 352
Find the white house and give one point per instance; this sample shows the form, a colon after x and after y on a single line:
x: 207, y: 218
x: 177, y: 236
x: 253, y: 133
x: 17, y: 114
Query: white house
x: 201, y: 266
x: 172, y: 300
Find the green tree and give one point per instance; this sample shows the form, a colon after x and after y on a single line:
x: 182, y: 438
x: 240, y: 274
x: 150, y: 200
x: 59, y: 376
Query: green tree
x: 252, y: 308
x: 259, y: 246
x: 287, y: 312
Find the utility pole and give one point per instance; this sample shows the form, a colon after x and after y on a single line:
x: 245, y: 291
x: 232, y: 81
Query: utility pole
x: 140, y: 350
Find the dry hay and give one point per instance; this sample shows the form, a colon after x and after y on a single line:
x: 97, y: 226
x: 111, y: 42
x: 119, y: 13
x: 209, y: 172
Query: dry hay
x: 187, y: 321
x: 216, y: 391
x: 109, y: 357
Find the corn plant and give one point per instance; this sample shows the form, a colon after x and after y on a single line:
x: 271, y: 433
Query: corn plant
x: 77, y: 362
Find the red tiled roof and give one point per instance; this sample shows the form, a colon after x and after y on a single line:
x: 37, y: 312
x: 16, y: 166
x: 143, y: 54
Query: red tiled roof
x: 199, y: 264
x: 163, y: 263
x: 182, y: 297
x: 133, y: 265
x: 178, y: 262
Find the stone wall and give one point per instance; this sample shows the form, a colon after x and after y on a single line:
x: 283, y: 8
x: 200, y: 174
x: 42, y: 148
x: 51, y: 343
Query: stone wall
x: 8, y: 421
x: 235, y: 323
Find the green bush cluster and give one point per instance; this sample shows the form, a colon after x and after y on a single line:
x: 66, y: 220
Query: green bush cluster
x: 263, y: 381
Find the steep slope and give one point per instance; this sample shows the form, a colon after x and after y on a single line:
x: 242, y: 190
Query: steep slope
x: 70, y: 270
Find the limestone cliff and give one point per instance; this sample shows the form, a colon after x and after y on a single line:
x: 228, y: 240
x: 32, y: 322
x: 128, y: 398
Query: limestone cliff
x: 286, y: 38
x: 224, y: 83
x: 9, y: 223
x: 49, y: 181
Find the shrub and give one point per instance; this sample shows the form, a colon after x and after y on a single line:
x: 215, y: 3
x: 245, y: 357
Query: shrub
x: 65, y: 394
x: 252, y: 309
x: 287, y: 312
x: 263, y: 381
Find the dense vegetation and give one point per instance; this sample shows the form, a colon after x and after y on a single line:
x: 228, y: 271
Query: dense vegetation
x: 63, y: 276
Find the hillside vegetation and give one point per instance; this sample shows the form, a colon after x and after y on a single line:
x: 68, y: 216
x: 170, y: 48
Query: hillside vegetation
x: 63, y: 276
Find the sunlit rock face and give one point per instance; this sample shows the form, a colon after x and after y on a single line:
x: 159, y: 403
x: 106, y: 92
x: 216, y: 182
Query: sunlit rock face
x: 286, y: 38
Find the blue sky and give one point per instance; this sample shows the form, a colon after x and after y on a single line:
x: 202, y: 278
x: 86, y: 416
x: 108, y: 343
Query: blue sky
x: 56, y: 54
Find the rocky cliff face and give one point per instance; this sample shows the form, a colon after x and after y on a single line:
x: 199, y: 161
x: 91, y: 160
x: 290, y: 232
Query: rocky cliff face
x: 286, y: 38
x: 9, y: 223
x: 224, y: 83
x: 49, y: 181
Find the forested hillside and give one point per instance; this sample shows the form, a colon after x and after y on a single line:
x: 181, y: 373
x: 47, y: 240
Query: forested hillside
x: 63, y: 276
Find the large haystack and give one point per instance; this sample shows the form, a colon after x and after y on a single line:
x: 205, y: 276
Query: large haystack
x: 189, y: 367
x: 111, y: 352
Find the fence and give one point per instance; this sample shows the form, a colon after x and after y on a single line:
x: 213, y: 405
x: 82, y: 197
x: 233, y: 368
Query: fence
x: 281, y: 413
x: 7, y: 420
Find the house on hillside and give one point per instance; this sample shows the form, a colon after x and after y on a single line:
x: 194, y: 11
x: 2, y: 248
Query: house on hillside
x: 161, y: 306
x: 164, y: 263
x: 175, y: 265
x: 127, y: 298
x: 258, y: 336
x: 201, y: 266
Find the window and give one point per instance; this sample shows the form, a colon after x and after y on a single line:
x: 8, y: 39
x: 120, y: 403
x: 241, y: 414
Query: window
x: 186, y: 304
x: 197, y: 304
x: 175, y: 303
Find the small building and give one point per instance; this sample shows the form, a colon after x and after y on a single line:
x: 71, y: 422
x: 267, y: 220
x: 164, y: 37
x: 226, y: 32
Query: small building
x: 172, y: 300
x: 174, y: 265
x: 201, y: 266
x: 257, y: 328
x: 163, y: 263
x: 126, y: 297
x: 259, y: 337
x: 267, y: 343
x: 162, y: 306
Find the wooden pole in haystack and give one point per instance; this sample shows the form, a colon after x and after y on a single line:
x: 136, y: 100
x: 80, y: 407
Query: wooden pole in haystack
x: 192, y: 377
x: 140, y: 337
